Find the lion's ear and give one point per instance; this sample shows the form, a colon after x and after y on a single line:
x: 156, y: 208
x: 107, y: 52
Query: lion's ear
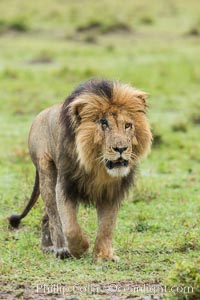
x: 75, y: 109
x: 142, y: 96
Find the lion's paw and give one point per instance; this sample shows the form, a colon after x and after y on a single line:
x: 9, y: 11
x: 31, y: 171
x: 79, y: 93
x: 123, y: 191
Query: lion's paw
x: 62, y: 253
x: 115, y: 258
x: 47, y: 249
x: 79, y: 247
x: 98, y: 258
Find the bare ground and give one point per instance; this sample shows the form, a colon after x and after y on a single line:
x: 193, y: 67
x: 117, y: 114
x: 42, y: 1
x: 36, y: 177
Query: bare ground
x: 109, y: 291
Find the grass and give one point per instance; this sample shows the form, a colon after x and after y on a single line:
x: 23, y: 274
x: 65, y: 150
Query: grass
x: 44, y: 54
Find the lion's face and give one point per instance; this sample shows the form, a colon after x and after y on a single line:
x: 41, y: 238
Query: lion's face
x: 117, y: 139
x: 111, y: 135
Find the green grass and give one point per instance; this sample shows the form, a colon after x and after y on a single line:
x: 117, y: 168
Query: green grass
x: 47, y: 48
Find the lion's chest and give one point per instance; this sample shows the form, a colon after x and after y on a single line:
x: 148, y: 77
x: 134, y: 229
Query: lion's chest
x: 90, y: 190
x: 87, y: 190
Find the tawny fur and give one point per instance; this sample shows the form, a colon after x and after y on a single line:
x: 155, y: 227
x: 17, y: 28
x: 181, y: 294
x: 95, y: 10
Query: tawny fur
x: 70, y: 147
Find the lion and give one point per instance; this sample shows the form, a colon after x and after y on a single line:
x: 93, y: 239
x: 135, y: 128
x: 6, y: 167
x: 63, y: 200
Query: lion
x: 86, y: 150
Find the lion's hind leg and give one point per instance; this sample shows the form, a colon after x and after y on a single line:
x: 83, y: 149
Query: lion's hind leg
x: 51, y: 226
x: 46, y: 243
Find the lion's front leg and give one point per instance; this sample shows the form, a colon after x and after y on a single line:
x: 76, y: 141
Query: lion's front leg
x: 77, y: 243
x: 107, y: 215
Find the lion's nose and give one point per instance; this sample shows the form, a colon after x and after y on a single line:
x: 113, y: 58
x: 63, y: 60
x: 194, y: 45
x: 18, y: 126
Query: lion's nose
x: 120, y: 150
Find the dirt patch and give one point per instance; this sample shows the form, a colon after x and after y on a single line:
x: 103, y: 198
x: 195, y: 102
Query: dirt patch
x: 108, y: 291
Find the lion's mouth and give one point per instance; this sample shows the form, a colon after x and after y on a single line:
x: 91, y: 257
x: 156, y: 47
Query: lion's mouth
x: 120, y: 162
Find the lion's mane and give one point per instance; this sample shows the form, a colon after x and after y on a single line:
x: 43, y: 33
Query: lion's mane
x: 98, y: 96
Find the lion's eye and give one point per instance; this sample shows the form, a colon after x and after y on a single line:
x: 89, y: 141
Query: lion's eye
x: 104, y: 123
x: 128, y: 125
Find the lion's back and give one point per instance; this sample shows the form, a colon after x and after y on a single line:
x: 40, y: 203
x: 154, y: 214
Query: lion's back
x: 43, y: 132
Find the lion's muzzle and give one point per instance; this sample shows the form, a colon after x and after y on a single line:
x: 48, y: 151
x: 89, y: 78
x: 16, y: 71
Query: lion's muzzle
x: 111, y: 164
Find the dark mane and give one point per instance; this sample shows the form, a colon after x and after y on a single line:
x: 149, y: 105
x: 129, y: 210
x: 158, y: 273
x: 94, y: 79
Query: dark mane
x: 100, y: 87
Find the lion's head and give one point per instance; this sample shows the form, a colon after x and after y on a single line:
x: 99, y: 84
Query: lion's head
x: 108, y: 122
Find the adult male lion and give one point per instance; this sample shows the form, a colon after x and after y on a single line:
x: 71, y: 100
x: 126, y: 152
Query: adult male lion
x: 86, y: 150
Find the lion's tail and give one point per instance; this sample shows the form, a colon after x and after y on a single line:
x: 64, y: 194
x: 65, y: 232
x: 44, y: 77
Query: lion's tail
x: 14, y: 220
